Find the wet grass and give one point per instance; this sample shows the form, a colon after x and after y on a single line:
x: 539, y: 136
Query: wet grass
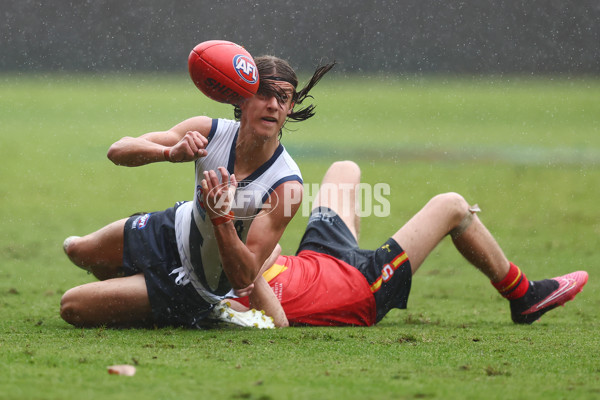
x: 455, y: 340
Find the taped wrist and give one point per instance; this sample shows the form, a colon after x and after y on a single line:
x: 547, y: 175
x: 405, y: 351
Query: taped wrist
x: 222, y: 219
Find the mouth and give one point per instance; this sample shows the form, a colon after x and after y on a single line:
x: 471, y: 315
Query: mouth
x: 270, y: 119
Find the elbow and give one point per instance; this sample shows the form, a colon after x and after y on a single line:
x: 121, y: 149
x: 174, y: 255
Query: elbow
x: 282, y: 324
x: 112, y: 153
x: 117, y: 151
x: 279, y: 319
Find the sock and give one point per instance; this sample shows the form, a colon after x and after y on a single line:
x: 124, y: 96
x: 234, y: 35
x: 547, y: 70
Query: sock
x: 514, y: 285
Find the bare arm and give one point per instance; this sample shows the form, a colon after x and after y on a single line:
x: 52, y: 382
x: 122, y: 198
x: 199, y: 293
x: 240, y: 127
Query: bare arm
x: 242, y: 262
x: 263, y: 298
x: 261, y: 295
x: 184, y: 142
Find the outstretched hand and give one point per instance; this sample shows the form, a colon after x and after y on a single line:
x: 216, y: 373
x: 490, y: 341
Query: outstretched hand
x: 191, y: 147
x: 218, y: 196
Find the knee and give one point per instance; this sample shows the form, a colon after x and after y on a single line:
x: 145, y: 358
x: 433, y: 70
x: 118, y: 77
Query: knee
x: 77, y: 250
x: 346, y: 166
x: 72, y: 247
x: 69, y: 307
x: 453, y: 205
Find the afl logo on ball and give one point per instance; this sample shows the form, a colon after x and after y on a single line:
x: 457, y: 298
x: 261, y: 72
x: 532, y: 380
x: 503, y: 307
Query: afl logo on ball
x: 245, y: 68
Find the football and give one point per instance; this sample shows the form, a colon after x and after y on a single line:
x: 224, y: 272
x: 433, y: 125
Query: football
x: 223, y: 71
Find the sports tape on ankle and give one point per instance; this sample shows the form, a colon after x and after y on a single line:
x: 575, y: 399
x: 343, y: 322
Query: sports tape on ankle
x: 466, y: 222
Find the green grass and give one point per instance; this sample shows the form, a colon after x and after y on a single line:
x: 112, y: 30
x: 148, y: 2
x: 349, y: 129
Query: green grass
x: 526, y: 150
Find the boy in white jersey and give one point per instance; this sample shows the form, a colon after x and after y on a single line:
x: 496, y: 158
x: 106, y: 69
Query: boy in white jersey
x: 169, y: 268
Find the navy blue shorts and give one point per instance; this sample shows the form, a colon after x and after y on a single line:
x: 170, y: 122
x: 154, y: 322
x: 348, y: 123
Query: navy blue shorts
x: 386, y: 269
x: 150, y: 248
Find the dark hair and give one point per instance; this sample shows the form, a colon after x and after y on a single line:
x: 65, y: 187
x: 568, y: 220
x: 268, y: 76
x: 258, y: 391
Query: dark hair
x: 272, y: 69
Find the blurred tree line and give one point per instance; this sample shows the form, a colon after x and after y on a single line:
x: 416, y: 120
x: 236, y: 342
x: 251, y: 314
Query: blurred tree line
x: 414, y: 36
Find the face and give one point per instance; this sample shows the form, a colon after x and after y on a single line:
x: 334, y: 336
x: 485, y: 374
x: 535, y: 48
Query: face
x: 264, y: 115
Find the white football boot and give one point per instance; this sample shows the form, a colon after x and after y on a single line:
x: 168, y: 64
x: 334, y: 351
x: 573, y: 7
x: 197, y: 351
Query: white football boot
x: 252, y: 318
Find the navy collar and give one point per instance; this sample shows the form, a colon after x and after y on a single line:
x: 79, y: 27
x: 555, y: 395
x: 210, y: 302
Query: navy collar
x: 259, y: 171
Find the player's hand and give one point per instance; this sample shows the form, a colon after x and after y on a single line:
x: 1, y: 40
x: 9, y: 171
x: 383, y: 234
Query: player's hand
x: 191, y: 147
x: 218, y: 196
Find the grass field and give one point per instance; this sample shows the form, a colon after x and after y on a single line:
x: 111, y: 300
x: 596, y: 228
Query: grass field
x: 526, y: 150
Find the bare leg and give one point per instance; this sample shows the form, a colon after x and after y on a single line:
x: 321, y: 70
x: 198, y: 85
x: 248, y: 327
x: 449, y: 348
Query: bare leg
x: 119, y: 302
x: 480, y: 248
x: 441, y: 215
x: 338, y: 192
x: 425, y: 230
x: 100, y: 252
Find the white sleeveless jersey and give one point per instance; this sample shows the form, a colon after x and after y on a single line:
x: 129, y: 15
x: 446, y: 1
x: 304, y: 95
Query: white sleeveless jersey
x: 196, y: 241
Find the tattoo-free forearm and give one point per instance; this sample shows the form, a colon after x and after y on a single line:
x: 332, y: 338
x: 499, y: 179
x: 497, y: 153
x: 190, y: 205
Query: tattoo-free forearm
x: 133, y: 152
x: 263, y: 298
x: 239, y: 264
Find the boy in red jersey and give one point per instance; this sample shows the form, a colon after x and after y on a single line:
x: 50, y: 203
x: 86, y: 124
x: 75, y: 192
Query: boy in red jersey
x: 331, y: 281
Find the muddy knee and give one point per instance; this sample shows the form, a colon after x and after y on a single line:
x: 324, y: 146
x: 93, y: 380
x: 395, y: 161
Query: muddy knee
x: 74, y: 249
x: 463, y: 215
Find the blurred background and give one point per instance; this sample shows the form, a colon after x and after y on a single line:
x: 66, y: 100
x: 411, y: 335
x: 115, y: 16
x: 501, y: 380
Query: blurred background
x: 407, y: 36
x: 496, y: 100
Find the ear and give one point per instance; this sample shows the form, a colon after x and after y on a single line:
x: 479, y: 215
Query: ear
x: 291, y: 110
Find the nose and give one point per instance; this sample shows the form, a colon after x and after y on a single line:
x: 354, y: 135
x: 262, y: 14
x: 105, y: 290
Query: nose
x: 272, y: 103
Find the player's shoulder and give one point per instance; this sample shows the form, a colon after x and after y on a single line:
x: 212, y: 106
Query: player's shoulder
x: 209, y: 127
x: 226, y: 127
x: 201, y: 123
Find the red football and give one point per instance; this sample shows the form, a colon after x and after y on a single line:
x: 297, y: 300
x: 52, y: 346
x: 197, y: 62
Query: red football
x: 224, y: 71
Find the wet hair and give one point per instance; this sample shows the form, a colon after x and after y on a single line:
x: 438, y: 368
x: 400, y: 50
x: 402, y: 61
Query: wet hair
x: 271, y: 70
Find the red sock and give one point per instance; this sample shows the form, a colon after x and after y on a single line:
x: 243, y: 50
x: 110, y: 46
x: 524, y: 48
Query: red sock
x: 514, y: 285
